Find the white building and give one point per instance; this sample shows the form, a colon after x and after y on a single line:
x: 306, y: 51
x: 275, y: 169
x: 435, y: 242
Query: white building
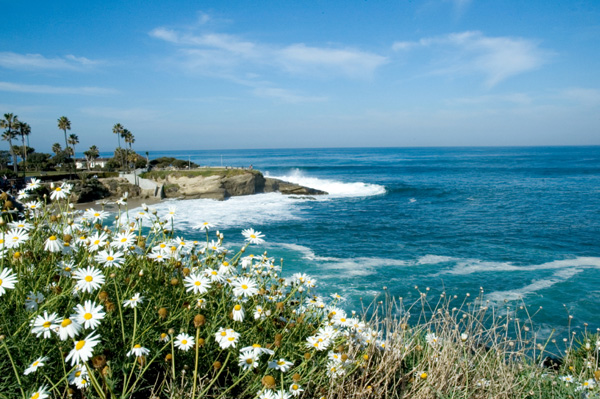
x: 98, y: 163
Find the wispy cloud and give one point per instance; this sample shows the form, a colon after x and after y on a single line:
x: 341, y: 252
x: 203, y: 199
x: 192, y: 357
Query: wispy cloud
x: 471, y: 52
x: 17, y: 61
x: 590, y: 97
x: 135, y: 114
x: 216, y: 50
x: 45, y: 89
x: 519, y: 99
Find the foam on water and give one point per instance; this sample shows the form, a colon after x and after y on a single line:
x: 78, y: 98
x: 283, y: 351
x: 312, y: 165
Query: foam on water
x: 335, y: 188
x: 469, y: 266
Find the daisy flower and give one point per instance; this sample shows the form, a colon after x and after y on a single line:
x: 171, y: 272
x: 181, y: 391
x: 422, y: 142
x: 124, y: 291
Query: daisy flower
x: 432, y: 339
x: 20, y: 224
x: 95, y: 216
x: 238, y: 313
x: 215, y: 247
x: 248, y: 360
x: 257, y: 349
x: 281, y: 365
x: 184, y: 341
x: 15, y: 237
x: 7, y: 280
x: 44, y: 324
x: 79, y: 376
x: 68, y: 329
x: 109, y: 258
x: 33, y: 184
x: 83, y: 349
x: 214, y: 275
x: 253, y: 237
x: 33, y: 300
x: 296, y: 389
x: 318, y: 343
x: 197, y: 283
x: 53, y: 244
x: 89, y: 315
x: 34, y: 206
x: 39, y: 362
x: 41, y: 393
x: 244, y: 286
x: 61, y: 192
x: 171, y: 213
x: 158, y: 256
x: 281, y: 395
x: 88, y: 279
x: 133, y: 301
x: 138, y: 350
x: 226, y: 337
x: 124, y: 240
x: 97, y: 241
x: 204, y: 225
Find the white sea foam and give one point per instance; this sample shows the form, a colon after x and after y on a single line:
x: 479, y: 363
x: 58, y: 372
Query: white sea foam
x: 433, y: 259
x: 469, y: 266
x: 538, y: 285
x: 335, y: 188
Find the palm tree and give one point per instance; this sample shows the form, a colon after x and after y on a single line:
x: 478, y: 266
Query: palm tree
x: 56, y: 148
x: 118, y: 130
x: 91, y: 154
x: 9, y: 123
x: 64, y: 124
x: 73, y: 139
x: 24, y: 130
x: 129, y: 139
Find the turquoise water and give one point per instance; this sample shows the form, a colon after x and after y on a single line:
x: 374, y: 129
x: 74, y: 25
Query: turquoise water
x: 523, y: 223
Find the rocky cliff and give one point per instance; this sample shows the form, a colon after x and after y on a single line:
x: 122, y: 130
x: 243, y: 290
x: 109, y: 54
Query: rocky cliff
x: 221, y: 184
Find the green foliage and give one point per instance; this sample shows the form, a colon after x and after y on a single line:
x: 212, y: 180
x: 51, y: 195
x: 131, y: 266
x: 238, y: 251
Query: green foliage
x: 170, y: 162
x: 204, y: 172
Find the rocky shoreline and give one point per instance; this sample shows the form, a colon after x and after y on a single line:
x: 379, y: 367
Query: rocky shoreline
x: 217, y: 184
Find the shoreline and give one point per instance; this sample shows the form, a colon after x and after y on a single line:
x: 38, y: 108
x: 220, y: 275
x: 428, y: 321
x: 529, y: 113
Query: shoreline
x: 132, y: 203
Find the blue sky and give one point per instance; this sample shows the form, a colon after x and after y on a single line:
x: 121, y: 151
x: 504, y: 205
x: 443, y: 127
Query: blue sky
x: 269, y: 74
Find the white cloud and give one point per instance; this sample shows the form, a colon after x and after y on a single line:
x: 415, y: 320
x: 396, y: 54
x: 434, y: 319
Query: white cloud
x: 45, y: 89
x: 471, y: 52
x: 583, y: 96
x: 39, y: 62
x: 208, y: 51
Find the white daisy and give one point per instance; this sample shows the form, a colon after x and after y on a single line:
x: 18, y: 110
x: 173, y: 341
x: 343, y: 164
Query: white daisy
x: 41, y: 393
x: 21, y: 224
x: 109, y: 258
x: 296, y: 389
x: 197, y: 283
x: 53, y: 244
x: 88, y: 279
x: 133, y: 301
x: 138, y: 350
x: 15, y: 237
x: 281, y: 365
x: 61, y: 192
x: 7, y: 280
x: 94, y: 216
x: 89, y: 315
x: 33, y: 300
x: 248, y: 360
x: 257, y: 349
x: 39, y: 362
x: 33, y: 184
x: 204, y: 225
x: 238, y: 313
x: 184, y: 341
x: 245, y: 286
x: 68, y: 328
x: 44, y: 324
x: 83, y: 349
x: 98, y: 240
x: 253, y: 237
x: 226, y: 337
x: 124, y: 240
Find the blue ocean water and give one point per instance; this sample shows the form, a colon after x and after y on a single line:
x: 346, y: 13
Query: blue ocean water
x: 523, y: 223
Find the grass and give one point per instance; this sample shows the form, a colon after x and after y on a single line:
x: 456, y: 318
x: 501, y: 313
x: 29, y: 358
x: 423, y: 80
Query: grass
x: 195, y: 318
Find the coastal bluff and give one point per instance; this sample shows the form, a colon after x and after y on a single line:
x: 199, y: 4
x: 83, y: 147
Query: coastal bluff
x: 222, y: 183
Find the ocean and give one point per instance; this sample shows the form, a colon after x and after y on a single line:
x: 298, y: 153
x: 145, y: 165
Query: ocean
x: 521, y: 223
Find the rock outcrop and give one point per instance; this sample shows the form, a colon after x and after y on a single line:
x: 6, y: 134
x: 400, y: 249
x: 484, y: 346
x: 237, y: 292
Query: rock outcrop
x: 221, y: 186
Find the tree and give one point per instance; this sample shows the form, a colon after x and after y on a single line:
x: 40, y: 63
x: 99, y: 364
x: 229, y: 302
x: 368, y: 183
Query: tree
x: 118, y: 130
x: 90, y: 155
x: 40, y: 161
x: 9, y: 123
x: 24, y: 130
x: 73, y: 139
x: 56, y: 148
x: 129, y: 139
x: 64, y: 124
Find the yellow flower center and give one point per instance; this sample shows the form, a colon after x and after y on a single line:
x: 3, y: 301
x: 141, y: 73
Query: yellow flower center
x: 249, y: 360
x: 124, y: 239
x: 223, y: 334
x: 137, y: 346
x: 89, y: 279
x: 0, y: 282
x: 66, y: 322
x: 110, y: 258
x: 58, y: 189
x: 244, y: 286
x: 294, y: 387
x: 237, y: 307
x: 96, y: 242
x: 83, y: 381
x: 163, y: 246
x: 79, y: 345
x: 198, y: 283
x: 35, y: 363
x: 87, y: 316
x: 67, y: 269
x: 280, y: 362
x: 225, y: 263
x: 423, y: 376
x: 252, y: 236
x: 35, y: 395
x: 96, y: 214
x: 256, y: 346
x: 214, y: 273
x: 47, y: 324
x: 231, y: 339
x: 77, y: 373
x: 52, y: 238
x: 184, y: 341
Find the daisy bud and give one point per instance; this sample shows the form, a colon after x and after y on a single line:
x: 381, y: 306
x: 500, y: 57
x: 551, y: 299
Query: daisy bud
x: 162, y: 313
x: 174, y: 281
x: 141, y: 360
x: 199, y: 320
x: 67, y: 238
x: 296, y: 377
x: 99, y: 361
x: 110, y: 307
x: 103, y: 296
x: 171, y: 331
x: 186, y: 271
x: 268, y: 381
x: 307, y: 356
x: 344, y: 357
x: 217, y: 365
x: 145, y: 207
x: 168, y: 358
x: 2, y: 337
x: 141, y: 273
x: 106, y: 371
x: 201, y: 342
x: 17, y: 255
x: 279, y: 306
x: 53, y: 218
x: 597, y: 375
